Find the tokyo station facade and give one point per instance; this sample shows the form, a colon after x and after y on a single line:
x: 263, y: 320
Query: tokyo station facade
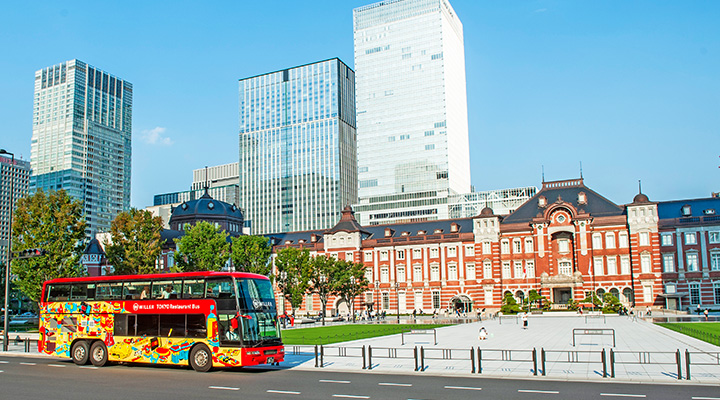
x: 565, y: 242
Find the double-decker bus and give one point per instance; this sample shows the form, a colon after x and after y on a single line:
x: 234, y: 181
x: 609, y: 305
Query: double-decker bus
x: 204, y: 319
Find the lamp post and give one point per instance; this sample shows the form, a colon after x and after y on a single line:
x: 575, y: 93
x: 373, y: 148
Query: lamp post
x: 323, y: 280
x: 8, y: 256
x: 377, y: 299
x: 397, y: 299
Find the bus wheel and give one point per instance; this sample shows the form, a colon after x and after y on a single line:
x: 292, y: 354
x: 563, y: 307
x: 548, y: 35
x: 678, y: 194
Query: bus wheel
x: 80, y: 352
x: 98, y: 354
x: 201, y: 358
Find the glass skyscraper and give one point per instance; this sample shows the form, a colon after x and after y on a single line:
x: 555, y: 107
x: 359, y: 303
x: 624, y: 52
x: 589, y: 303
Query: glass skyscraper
x: 298, y: 147
x: 14, y: 180
x: 81, y: 141
x: 411, y: 110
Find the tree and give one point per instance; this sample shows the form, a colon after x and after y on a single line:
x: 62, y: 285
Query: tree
x: 351, y: 282
x: 53, y: 222
x: 136, y: 242
x: 509, y: 304
x: 322, y: 274
x: 252, y: 254
x: 612, y: 304
x: 292, y: 276
x: 203, y: 248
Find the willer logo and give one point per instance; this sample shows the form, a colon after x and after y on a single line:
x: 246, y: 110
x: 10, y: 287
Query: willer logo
x: 135, y: 306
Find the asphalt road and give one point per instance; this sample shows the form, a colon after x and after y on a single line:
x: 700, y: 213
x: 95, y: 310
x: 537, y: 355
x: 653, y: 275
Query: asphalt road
x: 45, y: 378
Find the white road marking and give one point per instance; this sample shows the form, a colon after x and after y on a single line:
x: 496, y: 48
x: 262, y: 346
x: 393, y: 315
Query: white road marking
x: 622, y: 395
x: 394, y: 384
x: 282, y: 392
x: 706, y: 398
x: 57, y: 365
x: 88, y: 367
x: 331, y: 381
x: 463, y: 387
x: 4, y: 362
x: 26, y: 363
x: 223, y: 388
x: 1, y: 372
x: 537, y: 391
x: 350, y: 396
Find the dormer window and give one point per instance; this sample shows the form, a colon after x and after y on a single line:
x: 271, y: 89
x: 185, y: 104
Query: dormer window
x: 686, y: 210
x: 709, y: 211
x: 437, y: 231
x: 421, y: 232
x: 301, y: 241
x: 288, y: 242
x: 542, y: 201
x: 388, y: 232
x: 582, y: 199
x: 211, y: 205
x: 405, y: 233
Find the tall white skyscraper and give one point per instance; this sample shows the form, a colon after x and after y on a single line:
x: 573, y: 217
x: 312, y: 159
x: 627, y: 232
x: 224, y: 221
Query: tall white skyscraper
x: 297, y: 147
x: 14, y: 180
x: 411, y: 110
x: 81, y: 141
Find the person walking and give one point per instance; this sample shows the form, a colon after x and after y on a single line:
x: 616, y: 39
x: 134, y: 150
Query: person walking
x: 706, y: 312
x: 524, y: 321
x: 483, y: 333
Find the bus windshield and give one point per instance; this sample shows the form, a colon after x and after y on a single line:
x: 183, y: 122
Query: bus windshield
x: 258, y: 322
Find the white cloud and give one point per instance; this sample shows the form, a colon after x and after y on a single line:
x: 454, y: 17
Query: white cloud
x: 156, y: 136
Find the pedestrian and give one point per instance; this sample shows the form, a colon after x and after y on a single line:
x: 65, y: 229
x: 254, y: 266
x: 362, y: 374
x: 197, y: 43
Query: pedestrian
x: 648, y: 311
x: 525, y: 320
x: 706, y: 312
x: 698, y: 309
x: 483, y: 333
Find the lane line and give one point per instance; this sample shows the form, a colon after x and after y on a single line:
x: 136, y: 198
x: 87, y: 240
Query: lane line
x: 350, y: 396
x: 622, y: 395
x: 537, y: 391
x: 88, y: 367
x: 394, y: 384
x: 223, y: 388
x: 282, y: 392
x: 705, y: 398
x: 4, y: 362
x: 1, y: 372
x: 463, y: 387
x: 57, y: 365
x: 332, y: 381
x: 27, y: 363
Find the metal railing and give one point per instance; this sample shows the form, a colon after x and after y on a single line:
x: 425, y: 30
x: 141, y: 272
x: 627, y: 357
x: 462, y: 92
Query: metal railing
x: 701, y: 358
x: 573, y: 357
x: 646, y: 357
x: 595, y: 332
x: 418, y: 332
x: 591, y: 316
x: 391, y: 352
x: 521, y: 356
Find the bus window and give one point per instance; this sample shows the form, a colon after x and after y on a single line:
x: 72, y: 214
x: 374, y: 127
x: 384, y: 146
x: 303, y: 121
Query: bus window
x: 226, y: 331
x: 58, y: 292
x: 220, y: 288
x: 193, y: 288
x: 108, y: 291
x: 124, y: 325
x: 78, y: 292
x: 172, y: 325
x: 166, y: 289
x: 133, y: 290
x: 196, y: 326
x: 147, y: 325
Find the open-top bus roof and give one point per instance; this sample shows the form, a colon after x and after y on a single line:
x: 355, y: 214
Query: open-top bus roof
x: 169, y: 276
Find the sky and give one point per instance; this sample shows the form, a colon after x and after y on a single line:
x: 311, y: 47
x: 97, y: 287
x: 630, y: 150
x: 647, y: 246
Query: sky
x: 628, y: 89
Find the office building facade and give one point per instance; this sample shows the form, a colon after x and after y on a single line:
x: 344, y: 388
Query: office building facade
x: 412, y: 125
x: 297, y: 156
x: 82, y: 136
x: 14, y: 181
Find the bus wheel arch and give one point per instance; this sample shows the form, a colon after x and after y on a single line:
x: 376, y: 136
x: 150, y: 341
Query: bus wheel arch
x: 80, y: 352
x: 98, y: 353
x: 200, y: 358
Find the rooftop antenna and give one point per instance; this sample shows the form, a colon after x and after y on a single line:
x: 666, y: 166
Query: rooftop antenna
x: 543, y: 174
x: 206, y: 180
x: 639, y: 186
x: 581, y: 170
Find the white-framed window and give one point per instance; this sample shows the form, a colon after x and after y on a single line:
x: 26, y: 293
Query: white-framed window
x: 434, y: 272
x: 563, y: 245
x: 668, y: 262
x: 529, y: 247
x: 469, y: 251
x: 417, y: 254
x: 714, y: 237
x: 436, y: 300
x: 418, y: 300
x: 486, y: 248
x: 434, y: 252
x: 417, y: 273
x: 506, y: 272
x: 716, y: 292
x: 644, y: 238
x: 400, y: 254
x: 505, y: 247
x: 611, y: 265
x: 715, y: 261
x: 694, y: 293
x: 597, y: 241
x: 517, y: 246
x: 530, y: 266
x: 645, y: 263
x: 598, y: 267
x: 452, y: 251
x: 452, y: 272
x: 384, y: 275
x: 369, y: 274
x: 690, y: 238
x: 623, y: 240
x: 517, y: 266
x: 565, y: 268
x: 385, y: 301
x: 487, y: 270
x: 691, y: 262
x: 368, y: 256
x: 401, y: 274
x: 309, y: 302
x: 470, y: 271
x: 609, y: 240
x: 383, y: 255
x: 666, y: 239
x: 625, y: 265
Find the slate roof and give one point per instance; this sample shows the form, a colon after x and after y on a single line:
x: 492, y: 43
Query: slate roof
x: 94, y: 247
x: 567, y: 190
x: 673, y: 209
x: 206, y: 206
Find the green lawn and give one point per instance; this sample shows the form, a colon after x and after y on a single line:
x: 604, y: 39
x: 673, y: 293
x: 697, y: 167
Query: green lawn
x: 344, y: 333
x: 706, y: 331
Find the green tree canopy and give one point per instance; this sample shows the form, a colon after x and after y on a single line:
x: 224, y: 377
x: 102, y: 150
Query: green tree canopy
x: 136, y: 242
x: 293, y: 274
x: 350, y: 282
x: 323, y: 279
x: 53, y: 222
x: 509, y: 304
x: 251, y: 254
x: 203, y: 248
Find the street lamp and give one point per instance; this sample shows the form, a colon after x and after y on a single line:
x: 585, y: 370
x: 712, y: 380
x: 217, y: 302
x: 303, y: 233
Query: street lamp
x: 8, y: 256
x: 397, y: 299
x: 377, y: 299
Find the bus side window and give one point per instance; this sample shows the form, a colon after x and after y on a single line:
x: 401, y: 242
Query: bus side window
x: 78, y: 292
x: 59, y: 292
x: 108, y: 291
x: 193, y: 289
x: 172, y: 325
x: 121, y: 325
x: 196, y: 326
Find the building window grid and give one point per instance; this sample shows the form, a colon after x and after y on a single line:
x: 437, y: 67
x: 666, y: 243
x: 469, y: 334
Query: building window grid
x: 690, y: 238
x: 694, y: 293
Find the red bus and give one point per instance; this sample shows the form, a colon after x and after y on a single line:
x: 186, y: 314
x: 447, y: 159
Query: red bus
x: 204, y: 319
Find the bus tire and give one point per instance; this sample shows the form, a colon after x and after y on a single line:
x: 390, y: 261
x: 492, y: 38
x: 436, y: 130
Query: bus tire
x: 98, y: 353
x: 201, y: 358
x: 80, y: 352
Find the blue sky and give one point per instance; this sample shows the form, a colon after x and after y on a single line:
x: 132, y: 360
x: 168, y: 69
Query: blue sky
x: 630, y: 89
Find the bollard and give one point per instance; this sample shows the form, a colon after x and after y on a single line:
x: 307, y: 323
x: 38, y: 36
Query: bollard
x: 687, y: 364
x: 604, y: 362
x: 612, y: 363
x: 369, y: 357
x: 363, y: 353
x: 415, y: 353
x: 422, y: 358
x: 322, y: 358
x: 542, y: 360
x: 534, y: 361
x: 479, y: 358
x: 679, y: 363
x: 472, y: 360
x: 316, y: 356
